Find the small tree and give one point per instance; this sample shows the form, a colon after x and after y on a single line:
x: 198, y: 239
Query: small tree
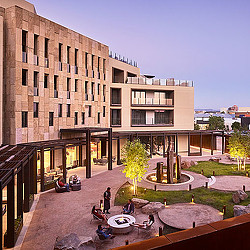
x: 216, y: 122
x: 196, y: 127
x: 236, y: 126
x: 135, y: 158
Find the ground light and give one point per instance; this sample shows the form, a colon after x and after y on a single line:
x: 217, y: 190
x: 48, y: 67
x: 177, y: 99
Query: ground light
x: 192, y: 200
x: 202, y: 172
x: 165, y: 202
x: 224, y: 210
x: 247, y: 174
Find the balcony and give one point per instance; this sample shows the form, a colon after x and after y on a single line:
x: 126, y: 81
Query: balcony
x: 68, y: 68
x: 24, y: 57
x: 122, y: 59
x: 46, y: 62
x: 36, y: 60
x: 160, y: 82
x: 152, y: 102
x: 60, y: 66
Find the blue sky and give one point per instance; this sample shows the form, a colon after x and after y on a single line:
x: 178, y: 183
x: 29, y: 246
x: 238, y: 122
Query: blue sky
x: 207, y: 41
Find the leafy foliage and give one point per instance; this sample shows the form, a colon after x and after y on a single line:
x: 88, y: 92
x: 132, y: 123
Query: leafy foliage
x: 236, y: 126
x: 135, y: 158
x: 197, y: 127
x: 216, y: 123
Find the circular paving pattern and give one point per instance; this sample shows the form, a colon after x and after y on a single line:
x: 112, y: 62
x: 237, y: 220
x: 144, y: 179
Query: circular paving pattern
x: 182, y: 215
x: 231, y: 183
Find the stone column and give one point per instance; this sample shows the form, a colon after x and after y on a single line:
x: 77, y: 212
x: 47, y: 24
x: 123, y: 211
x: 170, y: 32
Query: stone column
x: 178, y: 167
x: 159, y: 172
x: 170, y: 166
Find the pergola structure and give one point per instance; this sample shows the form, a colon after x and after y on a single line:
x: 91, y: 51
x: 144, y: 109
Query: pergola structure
x: 16, y: 162
x: 130, y: 135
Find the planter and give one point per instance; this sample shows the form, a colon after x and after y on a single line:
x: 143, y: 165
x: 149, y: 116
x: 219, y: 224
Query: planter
x: 49, y: 185
x: 17, y: 231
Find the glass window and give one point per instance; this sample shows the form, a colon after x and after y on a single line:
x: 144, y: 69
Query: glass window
x: 35, y: 104
x: 83, y: 117
x: 24, y: 77
x: 59, y: 110
x: 76, y: 118
x: 90, y: 109
x: 115, y: 117
x: 51, y: 118
x: 24, y: 119
x: 68, y: 110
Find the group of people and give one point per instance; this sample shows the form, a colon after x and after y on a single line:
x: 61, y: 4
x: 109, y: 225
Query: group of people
x: 106, y: 232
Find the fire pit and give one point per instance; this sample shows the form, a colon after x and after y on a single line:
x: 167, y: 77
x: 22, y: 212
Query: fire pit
x: 121, y: 223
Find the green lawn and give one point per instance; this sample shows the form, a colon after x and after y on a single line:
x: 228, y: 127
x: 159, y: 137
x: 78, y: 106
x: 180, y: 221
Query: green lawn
x: 204, y: 196
x: 219, y: 168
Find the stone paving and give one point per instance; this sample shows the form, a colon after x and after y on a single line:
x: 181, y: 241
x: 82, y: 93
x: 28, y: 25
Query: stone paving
x: 182, y: 215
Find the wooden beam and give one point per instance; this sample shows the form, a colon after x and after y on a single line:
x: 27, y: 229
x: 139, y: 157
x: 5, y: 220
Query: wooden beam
x: 212, y: 143
x: 151, y: 146
x: 118, y: 151
x: 88, y: 154
x: 110, y: 149
x: 223, y: 142
x: 1, y: 217
x: 20, y: 192
x: 201, y: 144
x: 26, y: 169
x: 64, y: 163
x: 42, y: 168
x: 176, y: 144
x: 164, y: 145
x: 189, y: 144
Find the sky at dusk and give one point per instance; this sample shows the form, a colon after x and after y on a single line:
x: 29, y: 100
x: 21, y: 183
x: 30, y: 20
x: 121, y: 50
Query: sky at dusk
x: 207, y: 41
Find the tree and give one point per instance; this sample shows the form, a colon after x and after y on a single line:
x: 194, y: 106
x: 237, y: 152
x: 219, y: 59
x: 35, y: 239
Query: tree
x: 135, y: 158
x: 197, y: 127
x: 216, y: 123
x: 239, y: 148
x: 236, y: 126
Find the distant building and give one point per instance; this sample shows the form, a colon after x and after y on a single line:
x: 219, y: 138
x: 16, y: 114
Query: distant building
x: 203, y: 120
x: 237, y: 111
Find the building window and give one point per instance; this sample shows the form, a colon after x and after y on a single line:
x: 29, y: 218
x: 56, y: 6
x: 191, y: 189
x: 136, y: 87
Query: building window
x: 36, y: 49
x: 93, y: 91
x: 83, y: 117
x: 68, y: 54
x: 46, y: 80
x: 76, y: 85
x: 115, y: 117
x: 104, y: 93
x: 98, y: 118
x: 86, y: 90
x: 55, y: 87
x: 68, y: 110
x: 98, y: 88
x: 46, y: 52
x: 76, y: 57
x: 90, y: 109
x: 51, y: 118
x: 115, y: 96
x: 76, y: 118
x: 60, y: 110
x: 104, y: 111
x: 24, y: 46
x: 104, y: 69
x: 60, y: 52
x: 68, y: 88
x: 92, y: 62
x: 139, y: 117
x: 35, y: 109
x: 36, y: 81
x: 24, y: 77
x: 24, y: 119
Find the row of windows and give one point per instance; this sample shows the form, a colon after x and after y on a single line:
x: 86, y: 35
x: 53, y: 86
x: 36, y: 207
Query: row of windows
x: 51, y: 115
x: 85, y: 55
x: 46, y: 84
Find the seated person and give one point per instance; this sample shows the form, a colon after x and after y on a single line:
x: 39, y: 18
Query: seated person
x: 146, y: 223
x: 98, y: 213
x: 105, y: 231
x: 129, y: 207
x: 61, y: 184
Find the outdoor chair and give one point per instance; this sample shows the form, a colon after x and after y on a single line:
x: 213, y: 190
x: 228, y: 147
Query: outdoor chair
x: 95, y: 218
x: 60, y: 189
x: 146, y: 229
x: 102, y: 238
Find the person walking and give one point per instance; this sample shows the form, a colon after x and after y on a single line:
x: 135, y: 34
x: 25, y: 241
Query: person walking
x: 107, y: 197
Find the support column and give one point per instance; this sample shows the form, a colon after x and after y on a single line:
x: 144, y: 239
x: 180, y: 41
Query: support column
x: 11, y: 212
x: 20, y: 193
x: 118, y: 151
x: 212, y: 143
x: 110, y: 149
x: 52, y: 158
x: 169, y: 143
x: 35, y: 171
x: 164, y: 146
x: 42, y: 168
x: 188, y: 144
x: 1, y: 216
x: 223, y: 143
x: 201, y: 144
x: 176, y: 144
x: 151, y: 146
x: 170, y: 166
x: 80, y: 155
x: 64, y: 163
x: 27, y: 187
x: 88, y: 154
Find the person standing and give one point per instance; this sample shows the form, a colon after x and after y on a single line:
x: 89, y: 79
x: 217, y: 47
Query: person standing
x: 107, y: 197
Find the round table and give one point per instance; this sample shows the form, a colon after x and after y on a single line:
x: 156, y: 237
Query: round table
x: 121, y: 223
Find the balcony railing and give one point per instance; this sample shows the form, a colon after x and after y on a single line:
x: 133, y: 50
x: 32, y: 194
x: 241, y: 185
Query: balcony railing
x: 68, y: 94
x: 116, y: 122
x: 152, y: 101
x: 55, y: 93
x: 122, y: 59
x: 161, y: 82
x: 152, y: 122
x: 36, y: 60
x: 46, y: 62
x: 68, y: 68
x: 35, y: 91
x: 24, y: 57
x: 60, y: 66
